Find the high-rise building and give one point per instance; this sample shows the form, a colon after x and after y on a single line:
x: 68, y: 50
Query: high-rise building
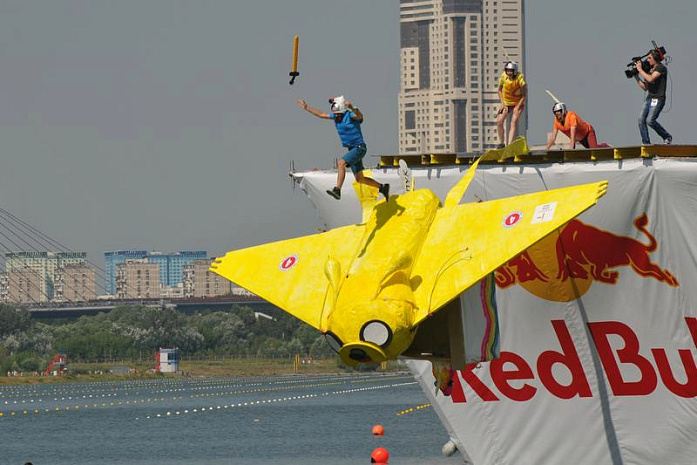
x: 199, y: 282
x: 137, y: 279
x: 22, y: 285
x: 171, y: 265
x: 45, y: 265
x: 75, y: 283
x: 112, y: 259
x: 452, y: 54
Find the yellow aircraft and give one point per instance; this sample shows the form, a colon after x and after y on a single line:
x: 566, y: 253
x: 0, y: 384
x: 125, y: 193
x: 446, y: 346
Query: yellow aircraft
x: 368, y: 287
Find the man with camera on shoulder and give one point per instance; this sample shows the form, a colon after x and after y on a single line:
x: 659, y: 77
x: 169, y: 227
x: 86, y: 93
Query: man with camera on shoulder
x: 654, y: 83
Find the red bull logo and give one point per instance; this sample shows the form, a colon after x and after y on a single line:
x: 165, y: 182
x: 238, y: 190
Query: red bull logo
x: 513, y: 377
x: 564, y: 265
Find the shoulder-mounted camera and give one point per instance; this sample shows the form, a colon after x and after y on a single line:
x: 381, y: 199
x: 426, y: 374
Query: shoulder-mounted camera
x: 631, y: 70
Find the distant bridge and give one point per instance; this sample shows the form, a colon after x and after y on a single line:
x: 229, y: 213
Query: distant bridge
x: 188, y: 306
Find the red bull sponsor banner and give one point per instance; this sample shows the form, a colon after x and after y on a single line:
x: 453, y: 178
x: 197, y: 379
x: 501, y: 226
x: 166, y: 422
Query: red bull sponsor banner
x: 598, y: 325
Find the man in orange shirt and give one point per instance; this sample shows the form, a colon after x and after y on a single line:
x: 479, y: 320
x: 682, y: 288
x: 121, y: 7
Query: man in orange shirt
x: 512, y: 93
x: 577, y: 130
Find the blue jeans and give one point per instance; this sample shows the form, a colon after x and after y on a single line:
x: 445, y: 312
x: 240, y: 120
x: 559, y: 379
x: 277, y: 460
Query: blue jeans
x: 650, y: 113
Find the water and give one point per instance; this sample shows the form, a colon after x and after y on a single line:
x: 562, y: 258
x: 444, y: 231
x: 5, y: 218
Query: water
x: 307, y: 420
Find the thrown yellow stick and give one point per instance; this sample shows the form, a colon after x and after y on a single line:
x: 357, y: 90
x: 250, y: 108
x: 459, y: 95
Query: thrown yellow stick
x: 294, y: 73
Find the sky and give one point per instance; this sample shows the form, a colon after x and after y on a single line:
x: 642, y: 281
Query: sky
x: 170, y: 125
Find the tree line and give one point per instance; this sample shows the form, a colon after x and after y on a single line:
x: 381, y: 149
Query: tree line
x: 136, y: 332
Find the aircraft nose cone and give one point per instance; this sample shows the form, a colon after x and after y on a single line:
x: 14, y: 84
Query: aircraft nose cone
x: 354, y: 353
x: 358, y: 355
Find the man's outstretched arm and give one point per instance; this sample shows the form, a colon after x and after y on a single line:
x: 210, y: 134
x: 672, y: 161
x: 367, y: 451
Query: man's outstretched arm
x: 318, y: 113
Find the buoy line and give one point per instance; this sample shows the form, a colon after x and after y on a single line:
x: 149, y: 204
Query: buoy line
x: 14, y: 393
x: 176, y: 413
x: 412, y: 410
x: 154, y: 399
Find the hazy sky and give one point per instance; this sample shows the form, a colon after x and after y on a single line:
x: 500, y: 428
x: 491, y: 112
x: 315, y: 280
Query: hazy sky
x: 170, y: 125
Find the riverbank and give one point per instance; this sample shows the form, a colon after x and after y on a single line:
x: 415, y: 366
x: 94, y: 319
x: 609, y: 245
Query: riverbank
x: 86, y: 372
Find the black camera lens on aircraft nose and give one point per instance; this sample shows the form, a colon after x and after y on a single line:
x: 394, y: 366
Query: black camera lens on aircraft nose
x: 358, y: 355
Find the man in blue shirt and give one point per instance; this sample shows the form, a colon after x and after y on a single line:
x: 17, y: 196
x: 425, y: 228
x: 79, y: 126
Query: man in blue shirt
x: 347, y: 120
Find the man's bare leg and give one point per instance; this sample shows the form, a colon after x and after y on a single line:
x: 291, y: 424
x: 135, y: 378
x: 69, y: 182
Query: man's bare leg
x: 514, y: 124
x: 384, y: 189
x: 500, y: 123
x: 366, y: 180
x: 341, y: 173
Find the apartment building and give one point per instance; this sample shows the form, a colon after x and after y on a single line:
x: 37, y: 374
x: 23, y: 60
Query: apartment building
x: 75, y: 283
x: 452, y: 54
x: 199, y: 282
x: 137, y: 279
x: 45, y: 265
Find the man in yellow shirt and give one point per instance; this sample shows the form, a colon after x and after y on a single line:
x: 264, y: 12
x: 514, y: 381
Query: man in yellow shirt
x: 512, y: 93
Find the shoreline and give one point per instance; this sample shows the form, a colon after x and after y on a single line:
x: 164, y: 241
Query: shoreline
x: 139, y: 370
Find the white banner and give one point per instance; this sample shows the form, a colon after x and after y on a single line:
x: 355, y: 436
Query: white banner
x: 598, y: 324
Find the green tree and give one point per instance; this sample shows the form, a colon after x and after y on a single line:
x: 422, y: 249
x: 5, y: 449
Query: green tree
x: 13, y: 321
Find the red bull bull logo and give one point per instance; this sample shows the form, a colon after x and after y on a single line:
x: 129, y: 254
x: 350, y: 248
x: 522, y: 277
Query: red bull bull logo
x: 564, y: 265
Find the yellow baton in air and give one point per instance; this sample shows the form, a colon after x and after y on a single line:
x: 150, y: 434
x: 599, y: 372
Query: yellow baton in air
x: 294, y: 73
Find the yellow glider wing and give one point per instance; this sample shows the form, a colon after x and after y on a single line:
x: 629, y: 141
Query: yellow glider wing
x: 293, y: 274
x: 367, y: 196
x: 467, y: 242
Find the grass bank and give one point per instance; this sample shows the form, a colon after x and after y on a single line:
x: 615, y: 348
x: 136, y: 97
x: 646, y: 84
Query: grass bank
x: 86, y: 372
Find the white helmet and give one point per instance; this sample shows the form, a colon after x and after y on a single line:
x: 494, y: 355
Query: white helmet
x: 338, y: 104
x: 559, y: 106
x: 511, y: 65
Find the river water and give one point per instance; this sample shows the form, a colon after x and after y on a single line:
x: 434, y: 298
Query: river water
x: 290, y: 420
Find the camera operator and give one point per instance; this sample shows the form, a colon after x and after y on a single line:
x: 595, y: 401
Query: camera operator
x: 654, y: 83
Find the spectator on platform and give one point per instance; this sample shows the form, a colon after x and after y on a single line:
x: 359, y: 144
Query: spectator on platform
x: 577, y: 130
x: 512, y: 94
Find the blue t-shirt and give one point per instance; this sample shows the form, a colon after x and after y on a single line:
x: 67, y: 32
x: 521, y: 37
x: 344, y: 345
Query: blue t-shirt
x: 349, y: 129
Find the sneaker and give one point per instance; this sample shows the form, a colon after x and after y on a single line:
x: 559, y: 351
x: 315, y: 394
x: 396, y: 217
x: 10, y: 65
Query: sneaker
x: 668, y: 141
x: 501, y: 146
x: 385, y: 190
x: 335, y: 192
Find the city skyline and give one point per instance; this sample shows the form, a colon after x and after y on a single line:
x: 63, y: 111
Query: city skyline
x: 63, y: 277
x: 171, y: 267
x: 175, y: 127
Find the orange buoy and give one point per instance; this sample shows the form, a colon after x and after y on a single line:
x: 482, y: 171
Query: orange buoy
x: 380, y: 455
x: 378, y: 430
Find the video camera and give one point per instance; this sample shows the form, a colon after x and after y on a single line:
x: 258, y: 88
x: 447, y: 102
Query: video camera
x: 631, y: 71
